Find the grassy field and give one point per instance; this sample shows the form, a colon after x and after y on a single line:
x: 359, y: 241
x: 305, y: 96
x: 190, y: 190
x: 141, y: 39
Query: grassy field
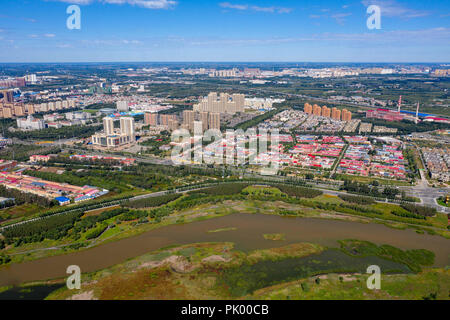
x: 18, y: 213
x: 442, y: 203
x: 370, y: 179
x: 353, y: 287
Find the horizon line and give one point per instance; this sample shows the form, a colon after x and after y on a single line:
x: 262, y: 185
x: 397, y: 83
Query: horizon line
x: 240, y: 62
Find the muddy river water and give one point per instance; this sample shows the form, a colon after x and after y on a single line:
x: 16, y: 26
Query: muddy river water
x: 248, y: 235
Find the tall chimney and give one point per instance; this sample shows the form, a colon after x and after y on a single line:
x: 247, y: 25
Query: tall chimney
x: 417, y: 112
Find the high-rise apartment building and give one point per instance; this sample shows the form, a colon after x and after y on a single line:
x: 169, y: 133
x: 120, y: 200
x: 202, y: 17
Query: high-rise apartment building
x: 19, y: 110
x: 108, y: 125
x: 317, y: 110
x: 6, y: 96
x: 165, y: 118
x: 326, y: 112
x: 30, y: 108
x: 214, y: 121
x: 198, y: 128
x: 346, y: 115
x: 173, y: 125
x: 223, y: 103
x: 127, y: 127
x: 122, y: 106
x: 7, y: 112
x: 151, y: 119
x: 188, y: 119
x: 308, y: 108
x: 204, y: 117
x: 336, y: 114
x: 30, y: 78
x: 43, y: 107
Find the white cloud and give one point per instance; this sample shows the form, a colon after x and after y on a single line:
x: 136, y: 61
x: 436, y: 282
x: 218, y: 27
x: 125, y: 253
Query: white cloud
x: 46, y: 35
x: 82, y: 2
x: 245, y: 7
x: 391, y: 8
x: 436, y: 35
x: 228, y: 5
x: 148, y: 4
x: 340, y: 17
x: 103, y: 42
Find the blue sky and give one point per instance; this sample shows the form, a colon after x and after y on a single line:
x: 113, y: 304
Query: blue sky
x: 210, y: 30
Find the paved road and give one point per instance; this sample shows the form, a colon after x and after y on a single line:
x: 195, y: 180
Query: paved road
x: 427, y: 194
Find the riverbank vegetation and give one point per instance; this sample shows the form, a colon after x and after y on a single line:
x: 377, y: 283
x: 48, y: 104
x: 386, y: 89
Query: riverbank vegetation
x: 305, y: 270
x: 75, y: 230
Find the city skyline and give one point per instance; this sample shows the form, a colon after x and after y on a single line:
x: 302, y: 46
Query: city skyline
x: 218, y: 31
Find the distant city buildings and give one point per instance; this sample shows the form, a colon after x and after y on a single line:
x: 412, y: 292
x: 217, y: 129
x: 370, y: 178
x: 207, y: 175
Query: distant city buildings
x: 261, y: 103
x: 54, y: 120
x: 326, y: 112
x: 204, y: 120
x: 6, y: 96
x: 30, y: 79
x: 13, y: 82
x: 9, y: 109
x: 169, y: 121
x: 223, y: 103
x: 230, y: 73
x: 441, y: 72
